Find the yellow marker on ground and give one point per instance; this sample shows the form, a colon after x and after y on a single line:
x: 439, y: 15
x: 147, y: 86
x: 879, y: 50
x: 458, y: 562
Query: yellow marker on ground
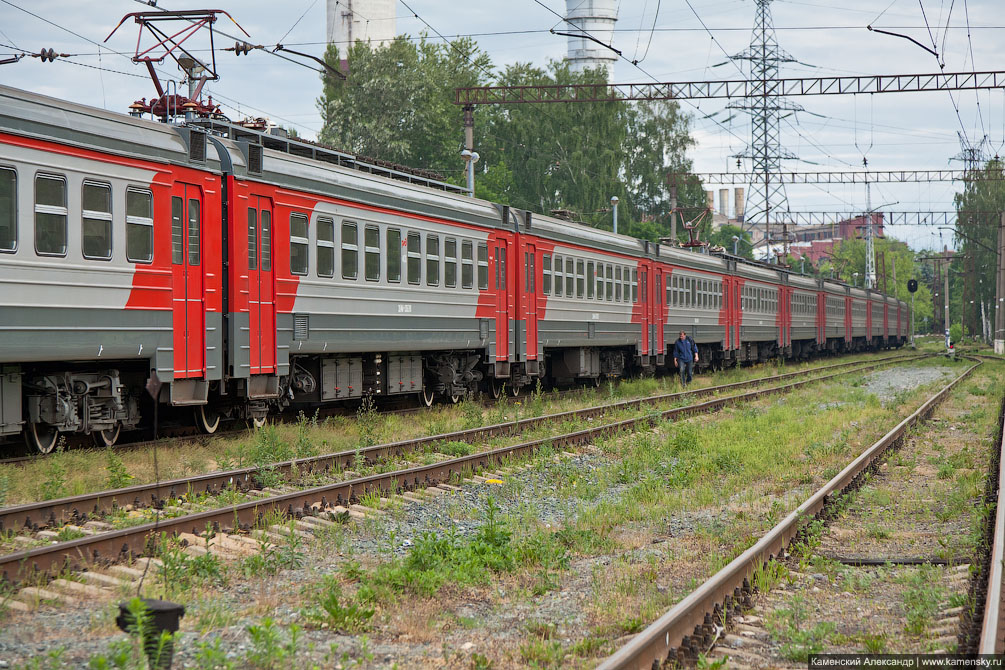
x: 493, y: 481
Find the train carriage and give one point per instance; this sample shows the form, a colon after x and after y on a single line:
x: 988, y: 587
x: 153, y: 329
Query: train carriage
x: 231, y: 273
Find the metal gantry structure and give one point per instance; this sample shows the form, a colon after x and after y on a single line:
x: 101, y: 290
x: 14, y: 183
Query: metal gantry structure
x: 849, y: 176
x: 765, y: 150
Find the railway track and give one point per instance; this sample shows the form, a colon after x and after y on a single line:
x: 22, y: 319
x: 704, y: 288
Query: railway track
x: 123, y: 544
x: 696, y: 623
x: 78, y: 509
x: 172, y: 432
x: 987, y: 636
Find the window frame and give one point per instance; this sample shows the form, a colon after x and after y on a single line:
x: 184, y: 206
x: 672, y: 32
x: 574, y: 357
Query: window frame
x: 370, y: 251
x: 304, y: 241
x: 101, y: 216
x: 415, y: 256
x: 320, y: 244
x: 14, y: 209
x: 467, y: 264
x: 591, y: 278
x: 54, y: 210
x: 393, y: 257
x: 546, y: 285
x: 449, y: 263
x: 350, y: 248
x: 559, y: 288
x: 432, y: 260
x: 147, y: 222
x: 483, y: 266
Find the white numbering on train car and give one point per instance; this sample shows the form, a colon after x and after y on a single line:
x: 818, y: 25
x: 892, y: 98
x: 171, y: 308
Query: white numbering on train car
x: 404, y: 309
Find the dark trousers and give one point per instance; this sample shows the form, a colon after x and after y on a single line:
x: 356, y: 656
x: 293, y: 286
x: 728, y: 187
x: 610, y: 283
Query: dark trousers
x: 686, y: 369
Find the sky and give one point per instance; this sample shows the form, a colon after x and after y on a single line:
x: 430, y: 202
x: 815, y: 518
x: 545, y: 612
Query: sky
x: 673, y: 40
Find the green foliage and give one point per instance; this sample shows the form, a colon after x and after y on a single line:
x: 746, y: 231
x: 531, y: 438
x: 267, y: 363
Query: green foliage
x: 368, y: 421
x: 397, y: 104
x: 54, y: 484
x: 267, y: 449
x: 329, y: 606
x: 118, y: 476
x: 799, y: 640
x: 955, y: 332
x: 4, y: 490
x: 271, y: 648
x: 304, y: 445
x: 724, y: 238
x: 977, y: 239
x: 181, y: 573
x: 211, y: 656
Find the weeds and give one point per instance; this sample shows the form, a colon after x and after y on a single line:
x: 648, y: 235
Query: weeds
x: 304, y: 447
x: 798, y: 640
x: 368, y: 421
x: 54, y: 484
x: 330, y: 608
x: 181, y: 573
x: 118, y: 476
x: 271, y: 649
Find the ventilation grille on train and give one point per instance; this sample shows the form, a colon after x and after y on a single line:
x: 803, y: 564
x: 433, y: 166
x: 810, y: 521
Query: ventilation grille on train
x: 197, y: 146
x: 255, y: 158
x: 301, y: 327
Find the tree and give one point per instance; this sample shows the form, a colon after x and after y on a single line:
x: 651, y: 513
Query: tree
x: 724, y: 238
x: 397, y: 104
x: 972, y: 272
x: 849, y: 257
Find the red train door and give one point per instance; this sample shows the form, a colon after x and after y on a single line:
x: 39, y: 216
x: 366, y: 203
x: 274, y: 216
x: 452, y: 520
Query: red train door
x: 261, y: 287
x: 530, y: 298
x: 188, y: 300
x: 647, y: 306
x: 659, y: 309
x: 502, y: 300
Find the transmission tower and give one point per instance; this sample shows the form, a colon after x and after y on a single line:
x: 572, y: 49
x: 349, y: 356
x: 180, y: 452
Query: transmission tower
x: 766, y: 197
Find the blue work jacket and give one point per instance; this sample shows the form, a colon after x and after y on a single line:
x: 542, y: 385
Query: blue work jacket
x: 684, y: 350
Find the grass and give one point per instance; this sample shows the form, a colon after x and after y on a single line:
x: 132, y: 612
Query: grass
x: 77, y: 471
x: 798, y: 640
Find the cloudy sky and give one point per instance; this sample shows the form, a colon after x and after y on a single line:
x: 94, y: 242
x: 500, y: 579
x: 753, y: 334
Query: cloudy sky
x: 671, y: 41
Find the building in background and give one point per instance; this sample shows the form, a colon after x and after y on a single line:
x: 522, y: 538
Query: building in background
x: 351, y: 21
x: 595, y: 18
x: 816, y: 243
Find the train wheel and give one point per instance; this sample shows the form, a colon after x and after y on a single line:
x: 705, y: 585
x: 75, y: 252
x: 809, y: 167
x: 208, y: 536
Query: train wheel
x: 455, y: 398
x: 496, y: 388
x: 259, y: 421
x: 106, y: 438
x: 596, y: 382
x: 427, y: 396
x: 515, y: 390
x: 41, y: 436
x: 207, y: 420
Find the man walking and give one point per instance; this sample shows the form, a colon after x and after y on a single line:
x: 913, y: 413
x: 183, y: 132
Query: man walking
x: 685, y: 355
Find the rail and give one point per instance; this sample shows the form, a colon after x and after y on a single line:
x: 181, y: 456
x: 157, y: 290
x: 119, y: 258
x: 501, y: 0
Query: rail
x: 670, y: 636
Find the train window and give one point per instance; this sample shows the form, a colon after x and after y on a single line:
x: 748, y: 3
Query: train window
x: 467, y: 264
x: 393, y: 255
x: 559, y: 276
x: 531, y: 272
x: 414, y: 251
x: 432, y: 260
x: 267, y: 241
x: 177, y: 231
x: 570, y: 278
x: 194, y: 236
x: 350, y: 250
x: 635, y: 286
x: 617, y: 283
x: 139, y: 226
x: 326, y: 247
x: 50, y: 215
x: 8, y: 209
x: 483, y: 266
x: 450, y: 262
x: 96, y: 221
x: 252, y: 238
x: 591, y: 278
x: 670, y: 281
x: 626, y: 291
x: 371, y: 253
x: 546, y: 271
x: 298, y: 244
x: 610, y: 283
x: 580, y: 279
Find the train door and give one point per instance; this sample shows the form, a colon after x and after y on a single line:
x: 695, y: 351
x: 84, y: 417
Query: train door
x: 530, y: 298
x: 647, y: 306
x: 502, y: 300
x: 188, y: 299
x: 659, y: 310
x: 261, y: 287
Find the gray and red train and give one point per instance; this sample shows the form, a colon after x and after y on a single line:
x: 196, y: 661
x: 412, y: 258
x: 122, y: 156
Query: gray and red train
x: 208, y: 266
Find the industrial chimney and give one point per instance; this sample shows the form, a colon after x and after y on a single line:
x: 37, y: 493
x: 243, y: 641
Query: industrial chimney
x: 595, y: 18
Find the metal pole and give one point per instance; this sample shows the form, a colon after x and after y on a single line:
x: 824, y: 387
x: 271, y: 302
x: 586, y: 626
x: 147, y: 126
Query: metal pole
x: 945, y: 299
x: 614, y: 212
x: 912, y: 319
x: 673, y: 212
x: 1000, y: 292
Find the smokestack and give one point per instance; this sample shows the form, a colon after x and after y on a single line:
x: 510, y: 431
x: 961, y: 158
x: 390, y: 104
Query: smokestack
x: 738, y: 203
x: 710, y: 199
x: 724, y: 202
